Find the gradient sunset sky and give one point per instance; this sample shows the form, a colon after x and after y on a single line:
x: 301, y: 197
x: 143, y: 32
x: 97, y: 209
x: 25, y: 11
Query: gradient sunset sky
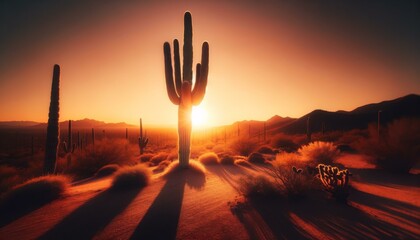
x: 266, y: 57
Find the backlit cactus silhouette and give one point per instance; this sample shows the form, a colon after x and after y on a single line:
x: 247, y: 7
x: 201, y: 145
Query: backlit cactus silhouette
x: 181, y: 91
x: 53, y: 128
x: 142, y: 140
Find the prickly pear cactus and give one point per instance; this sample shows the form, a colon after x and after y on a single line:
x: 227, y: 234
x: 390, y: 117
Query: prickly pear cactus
x: 335, y: 181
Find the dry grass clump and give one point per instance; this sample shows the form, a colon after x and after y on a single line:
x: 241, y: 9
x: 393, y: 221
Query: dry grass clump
x: 319, y: 153
x: 131, y: 177
x: 257, y: 158
x: 397, y: 149
x: 292, y: 176
x: 194, y: 165
x: 209, y: 158
x: 258, y: 187
x: 155, y: 160
x: 107, y: 151
x: 107, y: 170
x: 146, y: 157
x: 226, y: 159
x: 36, y: 191
x: 9, y: 177
x: 243, y: 146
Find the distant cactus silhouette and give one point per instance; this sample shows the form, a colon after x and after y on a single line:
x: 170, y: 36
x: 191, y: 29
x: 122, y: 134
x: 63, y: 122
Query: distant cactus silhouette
x: 53, y: 128
x: 335, y: 181
x: 181, y: 92
x: 142, y: 140
x: 69, y: 146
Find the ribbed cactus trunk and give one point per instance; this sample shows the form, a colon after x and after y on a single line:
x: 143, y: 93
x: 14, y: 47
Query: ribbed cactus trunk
x: 181, y: 91
x: 53, y: 129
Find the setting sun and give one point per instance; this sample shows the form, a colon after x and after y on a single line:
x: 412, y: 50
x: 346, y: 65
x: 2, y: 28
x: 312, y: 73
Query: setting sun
x: 199, y: 116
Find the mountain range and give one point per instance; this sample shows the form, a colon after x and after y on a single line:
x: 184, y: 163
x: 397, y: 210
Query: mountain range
x: 361, y: 117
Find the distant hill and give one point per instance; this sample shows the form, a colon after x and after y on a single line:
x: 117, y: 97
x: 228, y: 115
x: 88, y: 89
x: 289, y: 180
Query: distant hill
x: 361, y: 117
x: 84, y: 123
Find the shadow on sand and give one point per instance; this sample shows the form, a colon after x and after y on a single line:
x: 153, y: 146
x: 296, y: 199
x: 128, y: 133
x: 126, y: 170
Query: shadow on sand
x: 93, y: 216
x: 161, y: 219
x: 320, y: 217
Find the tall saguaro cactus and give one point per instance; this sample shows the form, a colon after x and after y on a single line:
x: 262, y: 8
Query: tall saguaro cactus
x: 142, y: 140
x: 181, y: 92
x: 53, y: 131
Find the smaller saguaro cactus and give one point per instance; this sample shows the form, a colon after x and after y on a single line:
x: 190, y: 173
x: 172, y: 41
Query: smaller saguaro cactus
x: 69, y: 146
x: 335, y: 181
x: 142, y: 140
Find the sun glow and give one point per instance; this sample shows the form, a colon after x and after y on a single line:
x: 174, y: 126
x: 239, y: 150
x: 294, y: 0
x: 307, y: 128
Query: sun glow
x: 199, y: 117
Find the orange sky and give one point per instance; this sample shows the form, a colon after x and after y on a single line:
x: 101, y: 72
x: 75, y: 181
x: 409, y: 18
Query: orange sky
x: 265, y: 59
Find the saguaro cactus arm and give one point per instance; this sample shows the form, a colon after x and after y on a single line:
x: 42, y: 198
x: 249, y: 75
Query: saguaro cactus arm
x: 201, y: 76
x: 188, y: 49
x: 173, y: 96
x: 177, y: 65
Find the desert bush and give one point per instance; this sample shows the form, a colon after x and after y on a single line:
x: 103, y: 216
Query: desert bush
x: 36, y: 191
x: 9, y: 177
x: 256, y: 158
x: 243, y: 146
x: 265, y: 150
x: 155, y: 160
x: 257, y: 187
x: 88, y: 162
x: 162, y: 166
x: 226, y: 159
x: 209, y: 158
x: 397, y: 149
x: 319, y: 153
x: 131, y: 177
x: 146, y: 157
x: 291, y: 175
x: 335, y: 181
x: 284, y: 142
x: 107, y: 170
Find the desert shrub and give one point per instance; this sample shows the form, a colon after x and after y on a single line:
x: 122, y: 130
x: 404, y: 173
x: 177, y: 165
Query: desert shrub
x: 256, y: 158
x: 209, y: 158
x: 292, y: 176
x: 397, y: 149
x: 146, y: 157
x: 131, y: 177
x: 36, y: 191
x: 284, y: 142
x: 242, y: 162
x: 335, y: 181
x: 88, y: 162
x: 319, y: 153
x: 265, y: 150
x: 226, y: 159
x: 107, y: 170
x: 257, y: 187
x: 243, y: 146
x: 9, y: 177
x: 155, y: 160
x: 162, y: 166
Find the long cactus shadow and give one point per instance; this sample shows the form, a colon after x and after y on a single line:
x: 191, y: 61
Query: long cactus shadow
x: 92, y: 216
x: 161, y: 220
